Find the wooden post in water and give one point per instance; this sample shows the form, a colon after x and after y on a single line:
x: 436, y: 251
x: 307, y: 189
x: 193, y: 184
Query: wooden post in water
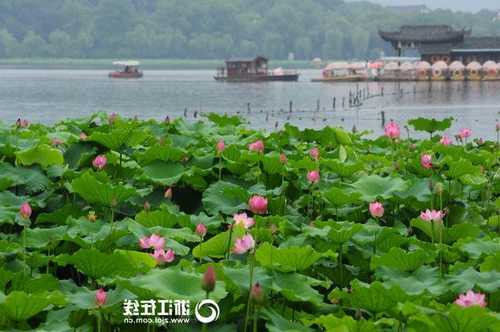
x: 185, y: 112
x: 248, y: 108
x: 291, y: 106
x: 382, y: 114
x: 343, y: 102
x: 382, y: 91
x: 317, y: 105
x: 334, y: 101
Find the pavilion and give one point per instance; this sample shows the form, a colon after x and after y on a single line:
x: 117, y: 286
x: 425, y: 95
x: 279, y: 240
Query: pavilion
x: 443, y: 43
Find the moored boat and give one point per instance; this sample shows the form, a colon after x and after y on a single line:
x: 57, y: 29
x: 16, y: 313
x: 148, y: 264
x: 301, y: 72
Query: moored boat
x: 253, y: 70
x: 130, y: 70
x: 343, y: 72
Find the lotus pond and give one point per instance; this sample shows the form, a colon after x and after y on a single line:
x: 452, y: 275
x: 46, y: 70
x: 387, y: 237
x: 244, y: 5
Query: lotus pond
x: 104, y: 218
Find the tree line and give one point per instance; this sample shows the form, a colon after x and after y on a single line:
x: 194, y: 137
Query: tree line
x: 211, y: 29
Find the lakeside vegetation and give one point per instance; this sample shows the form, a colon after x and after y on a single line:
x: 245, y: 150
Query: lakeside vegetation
x: 296, y: 230
x: 212, y: 29
x: 177, y: 64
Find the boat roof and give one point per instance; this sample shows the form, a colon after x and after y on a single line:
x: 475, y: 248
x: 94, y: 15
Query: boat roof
x: 130, y: 63
x: 242, y: 60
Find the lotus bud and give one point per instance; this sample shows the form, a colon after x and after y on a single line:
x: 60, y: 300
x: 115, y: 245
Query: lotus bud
x: 209, y: 279
x: 257, y: 294
x: 201, y: 230
x: 438, y: 188
x: 25, y: 210
x: 147, y: 206
x: 100, y: 297
x: 168, y: 193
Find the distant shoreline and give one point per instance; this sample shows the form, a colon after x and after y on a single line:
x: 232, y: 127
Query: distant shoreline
x: 172, y: 64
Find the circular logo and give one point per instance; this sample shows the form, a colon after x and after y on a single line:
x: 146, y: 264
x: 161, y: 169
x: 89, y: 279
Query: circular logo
x: 214, y: 311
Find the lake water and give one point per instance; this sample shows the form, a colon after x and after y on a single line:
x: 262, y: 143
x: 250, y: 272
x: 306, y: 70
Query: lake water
x: 50, y: 95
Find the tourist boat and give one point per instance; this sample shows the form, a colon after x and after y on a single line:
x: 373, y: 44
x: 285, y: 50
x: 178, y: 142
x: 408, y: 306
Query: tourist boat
x: 130, y: 70
x: 343, y: 72
x: 253, y: 70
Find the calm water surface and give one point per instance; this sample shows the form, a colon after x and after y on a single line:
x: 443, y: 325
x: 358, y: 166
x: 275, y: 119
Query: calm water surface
x: 51, y: 95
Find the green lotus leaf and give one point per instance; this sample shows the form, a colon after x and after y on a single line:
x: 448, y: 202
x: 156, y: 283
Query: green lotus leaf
x: 341, y: 232
x: 272, y: 164
x: 42, y: 237
x: 434, y: 230
x: 491, y: 263
x: 332, y: 323
x: 96, y: 264
x: 32, y: 178
x: 19, y: 306
x: 297, y: 287
x: 340, y: 197
x: 161, y: 152
x: 472, y: 319
x: 79, y: 154
x: 83, y: 298
x: 172, y: 283
x: 478, y: 247
x: 373, y: 186
x: 375, y: 297
x: 119, y: 138
x: 9, y: 206
x: 95, y: 191
x: 475, y: 180
x: 424, y: 279
x: 225, y: 197
x: 43, y: 155
x: 417, y: 188
x: 458, y: 169
x: 162, y: 218
x: 403, y: 260
x: 468, y: 279
x: 290, y: 259
x: 217, y: 246
x: 277, y: 323
x: 164, y: 173
x: 342, y: 136
x: 430, y: 125
x: 59, y: 216
x: 342, y: 169
x: 224, y: 120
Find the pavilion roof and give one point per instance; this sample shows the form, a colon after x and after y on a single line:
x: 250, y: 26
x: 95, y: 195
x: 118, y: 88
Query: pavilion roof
x: 424, y: 34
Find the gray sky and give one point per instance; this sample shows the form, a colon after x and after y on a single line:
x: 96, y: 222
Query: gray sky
x: 466, y: 5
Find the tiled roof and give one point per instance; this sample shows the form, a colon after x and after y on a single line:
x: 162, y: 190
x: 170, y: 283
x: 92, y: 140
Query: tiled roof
x: 424, y: 33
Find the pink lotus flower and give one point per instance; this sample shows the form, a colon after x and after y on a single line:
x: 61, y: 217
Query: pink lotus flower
x: 432, y: 215
x: 391, y: 130
x: 220, y: 146
x: 470, y: 299
x: 83, y: 136
x: 156, y: 241
x: 162, y: 256
x: 258, y: 204
x: 22, y: 123
x: 445, y: 140
x: 257, y: 146
x: 426, y: 161
x: 244, y: 220
x: 257, y: 294
x: 376, y: 209
x: 169, y: 256
x: 100, y: 162
x: 144, y: 242
x: 56, y: 142
x: 112, y: 118
x: 25, y: 210
x: 101, y: 297
x: 201, y: 230
x: 313, y: 177
x: 314, y: 153
x: 464, y: 133
x: 498, y: 126
x: 283, y: 158
x: 244, y: 244
x: 168, y: 193
x: 209, y: 279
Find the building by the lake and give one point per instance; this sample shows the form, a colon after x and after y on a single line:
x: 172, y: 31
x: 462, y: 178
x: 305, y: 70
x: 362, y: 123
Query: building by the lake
x: 443, y: 43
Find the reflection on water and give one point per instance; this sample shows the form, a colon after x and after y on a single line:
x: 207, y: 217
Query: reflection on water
x: 50, y: 95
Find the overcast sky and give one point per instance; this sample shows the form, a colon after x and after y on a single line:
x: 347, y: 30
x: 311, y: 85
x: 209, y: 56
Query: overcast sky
x: 468, y: 5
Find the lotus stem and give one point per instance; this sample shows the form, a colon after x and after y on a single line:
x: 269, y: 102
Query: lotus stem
x: 255, y: 319
x: 247, y: 315
x: 228, y: 251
